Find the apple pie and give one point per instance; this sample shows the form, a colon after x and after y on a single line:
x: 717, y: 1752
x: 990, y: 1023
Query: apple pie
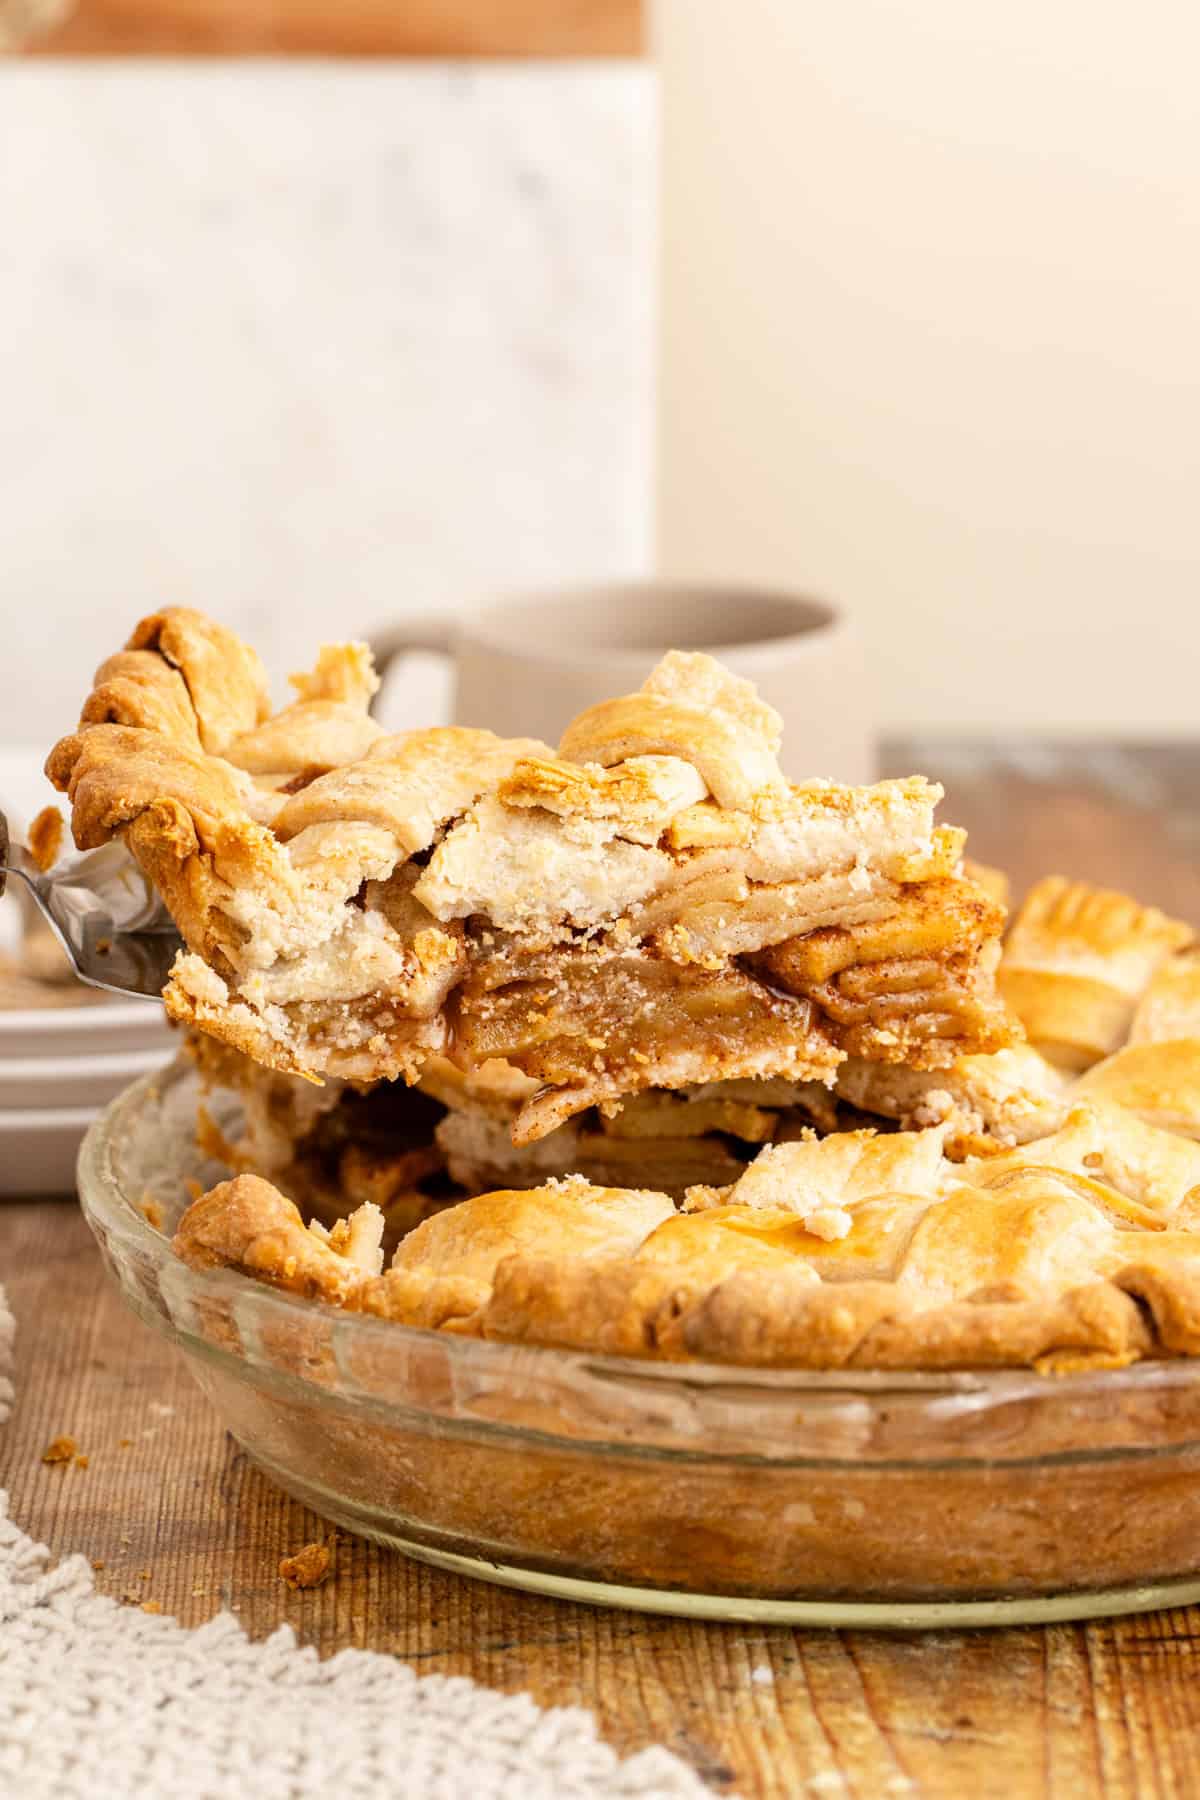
x: 633, y: 1046
x: 1004, y: 1210
x: 650, y: 907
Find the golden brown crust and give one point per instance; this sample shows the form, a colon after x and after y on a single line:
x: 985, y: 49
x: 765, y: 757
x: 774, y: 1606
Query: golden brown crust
x: 113, y: 773
x: 776, y: 1319
x: 408, y: 785
x: 145, y: 764
x: 641, y: 795
x: 732, y: 765
x: 691, y: 708
x: 1158, y: 1081
x: 226, y: 683
x: 1042, y: 1267
x: 1063, y: 922
x: 313, y: 736
x: 1071, y: 1020
x: 1157, y: 1170
x: 139, y: 688
x: 246, y: 1223
x: 470, y: 1240
x: 877, y: 1327
x: 336, y: 886
x: 1169, y: 1010
x: 1076, y: 962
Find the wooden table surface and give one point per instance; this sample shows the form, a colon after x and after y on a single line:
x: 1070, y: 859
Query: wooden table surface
x: 171, y: 1512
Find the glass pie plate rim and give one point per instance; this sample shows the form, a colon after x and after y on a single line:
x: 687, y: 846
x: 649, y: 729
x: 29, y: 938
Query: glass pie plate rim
x: 611, y: 1412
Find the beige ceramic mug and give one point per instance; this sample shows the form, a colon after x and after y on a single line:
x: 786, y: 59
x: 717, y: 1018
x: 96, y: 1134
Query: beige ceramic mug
x: 526, y: 665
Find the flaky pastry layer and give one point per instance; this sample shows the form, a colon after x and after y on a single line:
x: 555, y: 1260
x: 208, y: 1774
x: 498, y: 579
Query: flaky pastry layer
x: 653, y: 906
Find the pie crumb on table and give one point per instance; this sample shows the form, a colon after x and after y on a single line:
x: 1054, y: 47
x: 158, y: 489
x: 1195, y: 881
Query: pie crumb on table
x: 61, y: 1449
x: 308, y: 1568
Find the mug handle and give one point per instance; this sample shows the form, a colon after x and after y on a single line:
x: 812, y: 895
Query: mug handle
x: 392, y: 642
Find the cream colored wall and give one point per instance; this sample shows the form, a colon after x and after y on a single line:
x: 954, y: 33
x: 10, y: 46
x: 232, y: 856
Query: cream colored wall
x: 930, y: 340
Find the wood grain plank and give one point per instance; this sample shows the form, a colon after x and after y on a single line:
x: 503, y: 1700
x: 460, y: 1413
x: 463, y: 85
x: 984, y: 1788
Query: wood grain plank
x: 1071, y: 1758
x: 1125, y: 816
x: 420, y: 28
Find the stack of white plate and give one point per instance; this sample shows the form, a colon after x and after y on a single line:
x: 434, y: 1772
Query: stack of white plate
x: 58, y: 1067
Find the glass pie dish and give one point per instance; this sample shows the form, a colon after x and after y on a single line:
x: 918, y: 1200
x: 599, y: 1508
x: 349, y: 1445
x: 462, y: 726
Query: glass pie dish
x: 879, y: 1500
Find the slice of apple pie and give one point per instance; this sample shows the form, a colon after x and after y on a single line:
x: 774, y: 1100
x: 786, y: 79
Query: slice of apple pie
x: 651, y: 906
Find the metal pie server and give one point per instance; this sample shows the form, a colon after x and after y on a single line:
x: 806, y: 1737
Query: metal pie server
x: 112, y: 925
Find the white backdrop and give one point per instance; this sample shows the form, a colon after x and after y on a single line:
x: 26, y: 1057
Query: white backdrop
x: 312, y: 345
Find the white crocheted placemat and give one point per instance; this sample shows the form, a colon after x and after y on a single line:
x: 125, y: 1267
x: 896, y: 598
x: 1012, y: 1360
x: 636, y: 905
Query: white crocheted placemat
x: 98, y: 1699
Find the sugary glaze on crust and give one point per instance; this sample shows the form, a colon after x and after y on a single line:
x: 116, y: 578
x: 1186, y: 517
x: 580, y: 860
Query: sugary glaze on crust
x: 355, y: 903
